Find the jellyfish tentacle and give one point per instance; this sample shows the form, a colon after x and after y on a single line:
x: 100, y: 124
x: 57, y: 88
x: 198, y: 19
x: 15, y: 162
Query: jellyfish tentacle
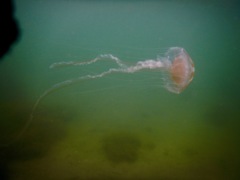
x: 98, y: 58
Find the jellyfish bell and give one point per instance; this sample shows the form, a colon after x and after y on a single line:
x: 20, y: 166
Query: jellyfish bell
x: 180, y: 70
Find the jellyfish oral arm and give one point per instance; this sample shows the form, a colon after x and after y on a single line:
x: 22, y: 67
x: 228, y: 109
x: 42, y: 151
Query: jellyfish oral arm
x: 150, y: 64
x: 147, y: 64
x: 98, y: 58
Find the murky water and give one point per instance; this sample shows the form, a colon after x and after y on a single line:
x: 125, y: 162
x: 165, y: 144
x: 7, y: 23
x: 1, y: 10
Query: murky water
x: 122, y: 126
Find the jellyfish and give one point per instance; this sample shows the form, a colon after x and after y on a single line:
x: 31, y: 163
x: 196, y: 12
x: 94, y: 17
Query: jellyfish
x: 177, y: 65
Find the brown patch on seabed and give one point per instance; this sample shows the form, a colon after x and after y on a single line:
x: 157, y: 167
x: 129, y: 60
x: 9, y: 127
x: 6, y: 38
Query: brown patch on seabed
x: 121, y: 147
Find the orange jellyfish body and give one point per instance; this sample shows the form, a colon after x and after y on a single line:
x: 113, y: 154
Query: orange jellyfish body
x: 181, y: 71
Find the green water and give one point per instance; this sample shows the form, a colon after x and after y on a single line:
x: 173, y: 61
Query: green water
x: 122, y: 126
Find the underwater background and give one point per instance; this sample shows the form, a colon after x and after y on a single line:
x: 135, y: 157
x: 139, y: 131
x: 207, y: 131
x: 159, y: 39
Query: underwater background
x: 121, y: 126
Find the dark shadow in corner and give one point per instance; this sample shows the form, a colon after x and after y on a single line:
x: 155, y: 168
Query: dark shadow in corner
x: 9, y: 31
x: 46, y: 130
